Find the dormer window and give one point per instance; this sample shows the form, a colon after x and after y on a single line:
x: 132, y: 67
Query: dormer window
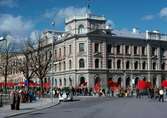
x: 81, y: 29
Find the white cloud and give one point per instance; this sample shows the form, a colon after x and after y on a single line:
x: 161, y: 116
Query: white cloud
x: 14, y: 25
x: 148, y: 17
x: 163, y: 12
x: 59, y: 15
x: 8, y: 3
x: 50, y: 13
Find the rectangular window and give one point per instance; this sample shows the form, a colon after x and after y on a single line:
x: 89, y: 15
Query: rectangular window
x: 70, y: 50
x: 96, y: 47
x: 56, y: 54
x: 153, y: 51
x: 64, y: 51
x: 59, y: 52
x: 109, y: 47
x: 64, y: 65
x: 126, y: 49
x: 81, y: 47
x: 109, y: 63
x: 96, y: 63
x: 59, y: 66
x: 135, y: 50
x: 118, y: 49
x: 143, y: 50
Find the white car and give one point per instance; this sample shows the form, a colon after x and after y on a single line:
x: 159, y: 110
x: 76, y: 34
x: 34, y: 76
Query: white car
x: 65, y: 96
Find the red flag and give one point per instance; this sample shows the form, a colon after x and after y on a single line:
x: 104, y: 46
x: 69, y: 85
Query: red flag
x: 97, y: 87
x: 164, y: 83
x: 141, y: 84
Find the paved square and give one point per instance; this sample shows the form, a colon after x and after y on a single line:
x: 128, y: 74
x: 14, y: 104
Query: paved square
x: 105, y: 107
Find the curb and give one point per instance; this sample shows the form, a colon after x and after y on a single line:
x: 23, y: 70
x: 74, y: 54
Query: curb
x: 31, y: 111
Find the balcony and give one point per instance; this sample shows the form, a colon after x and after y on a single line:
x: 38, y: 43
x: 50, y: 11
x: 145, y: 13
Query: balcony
x: 97, y: 54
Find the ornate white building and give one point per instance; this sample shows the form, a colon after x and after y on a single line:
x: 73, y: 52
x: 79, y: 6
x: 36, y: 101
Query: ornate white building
x: 90, y: 51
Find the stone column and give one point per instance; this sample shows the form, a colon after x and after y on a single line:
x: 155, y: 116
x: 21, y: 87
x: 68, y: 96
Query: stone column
x: 149, y: 60
x: 124, y: 80
x: 104, y: 55
x: 89, y: 53
x: 159, y: 58
x: 158, y: 81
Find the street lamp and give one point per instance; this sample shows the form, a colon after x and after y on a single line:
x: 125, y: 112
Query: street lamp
x: 52, y: 66
x: 6, y: 60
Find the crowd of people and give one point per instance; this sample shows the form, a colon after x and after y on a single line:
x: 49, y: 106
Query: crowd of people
x: 28, y: 96
x: 153, y: 93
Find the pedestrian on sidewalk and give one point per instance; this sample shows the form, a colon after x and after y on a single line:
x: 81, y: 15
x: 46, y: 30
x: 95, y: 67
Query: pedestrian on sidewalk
x: 13, y: 99
x: 161, y: 95
x: 17, y: 101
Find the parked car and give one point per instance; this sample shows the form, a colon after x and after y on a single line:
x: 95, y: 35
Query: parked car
x: 65, y: 96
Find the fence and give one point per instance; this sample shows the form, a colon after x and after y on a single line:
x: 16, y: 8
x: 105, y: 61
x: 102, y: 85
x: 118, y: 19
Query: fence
x: 4, y: 99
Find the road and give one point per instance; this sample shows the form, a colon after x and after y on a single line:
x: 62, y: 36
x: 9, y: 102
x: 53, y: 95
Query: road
x: 104, y: 107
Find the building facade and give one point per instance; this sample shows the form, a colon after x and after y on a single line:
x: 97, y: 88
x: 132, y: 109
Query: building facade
x: 89, y: 51
x: 14, y: 74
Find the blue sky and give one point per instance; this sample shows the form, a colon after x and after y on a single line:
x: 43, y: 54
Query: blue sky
x: 25, y: 16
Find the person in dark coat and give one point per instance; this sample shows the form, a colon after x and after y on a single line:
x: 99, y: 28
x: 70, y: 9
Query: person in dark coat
x: 17, y: 101
x: 13, y: 100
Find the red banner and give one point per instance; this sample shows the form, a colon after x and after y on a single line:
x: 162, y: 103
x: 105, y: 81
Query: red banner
x: 113, y: 85
x: 141, y: 84
x: 97, y: 87
x: 164, y: 83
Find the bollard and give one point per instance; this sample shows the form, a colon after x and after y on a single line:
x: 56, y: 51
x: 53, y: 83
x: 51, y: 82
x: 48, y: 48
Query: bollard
x: 1, y: 104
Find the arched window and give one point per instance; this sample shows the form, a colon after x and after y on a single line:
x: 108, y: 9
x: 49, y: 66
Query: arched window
x: 128, y: 82
x: 163, y: 66
x: 80, y: 29
x: 119, y: 64
x: 136, y: 65
x: 65, y: 82
x: 127, y: 65
x: 96, y: 63
x: 55, y: 82
x: 154, y: 65
x: 70, y: 80
x: 119, y: 81
x: 64, y: 64
x: 144, y: 65
x: 81, y: 63
x: 60, y: 82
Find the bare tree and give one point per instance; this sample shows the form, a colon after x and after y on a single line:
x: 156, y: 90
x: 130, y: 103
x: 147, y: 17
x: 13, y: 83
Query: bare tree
x: 40, y: 59
x: 6, y: 54
x: 25, y: 65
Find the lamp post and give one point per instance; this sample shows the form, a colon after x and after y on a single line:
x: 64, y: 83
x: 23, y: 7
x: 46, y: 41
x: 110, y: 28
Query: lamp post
x: 52, y: 66
x: 6, y: 61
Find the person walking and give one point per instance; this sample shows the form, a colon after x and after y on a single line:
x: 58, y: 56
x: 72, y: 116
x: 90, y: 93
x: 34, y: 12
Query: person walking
x: 161, y: 95
x: 17, y: 105
x: 13, y: 100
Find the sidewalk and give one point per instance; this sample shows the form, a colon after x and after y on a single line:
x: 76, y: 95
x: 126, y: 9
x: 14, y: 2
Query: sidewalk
x: 5, y: 111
